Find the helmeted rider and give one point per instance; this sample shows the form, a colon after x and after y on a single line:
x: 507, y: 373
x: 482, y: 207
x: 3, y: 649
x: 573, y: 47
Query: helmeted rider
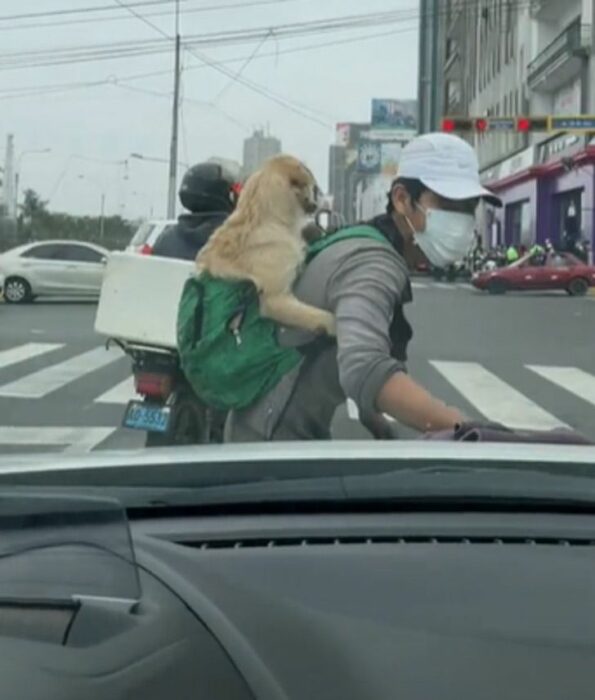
x: 208, y: 192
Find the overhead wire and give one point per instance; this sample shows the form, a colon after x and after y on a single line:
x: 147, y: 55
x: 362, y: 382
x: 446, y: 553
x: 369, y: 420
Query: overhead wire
x: 406, y: 13
x: 241, y: 69
x: 126, y: 49
x: 35, y: 90
x: 119, y: 18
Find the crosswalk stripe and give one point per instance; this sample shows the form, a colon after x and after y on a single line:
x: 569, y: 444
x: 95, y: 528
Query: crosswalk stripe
x: 122, y: 393
x: 27, y: 351
x: 494, y: 398
x: 574, y: 380
x: 41, y: 383
x: 74, y: 439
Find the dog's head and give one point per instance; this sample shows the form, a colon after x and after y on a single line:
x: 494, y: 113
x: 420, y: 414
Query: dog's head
x: 290, y: 184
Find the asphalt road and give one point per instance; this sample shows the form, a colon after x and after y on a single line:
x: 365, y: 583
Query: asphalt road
x: 524, y: 359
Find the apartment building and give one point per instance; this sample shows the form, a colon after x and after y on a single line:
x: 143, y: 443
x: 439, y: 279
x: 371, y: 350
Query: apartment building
x: 516, y: 58
x: 258, y: 148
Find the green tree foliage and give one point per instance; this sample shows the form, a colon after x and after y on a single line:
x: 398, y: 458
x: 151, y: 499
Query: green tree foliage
x: 36, y: 223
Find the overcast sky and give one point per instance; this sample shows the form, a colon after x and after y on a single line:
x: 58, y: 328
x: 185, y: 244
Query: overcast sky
x: 109, y: 122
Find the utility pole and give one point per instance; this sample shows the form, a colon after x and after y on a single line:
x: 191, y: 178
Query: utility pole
x: 102, y: 218
x: 9, y: 178
x: 173, y: 156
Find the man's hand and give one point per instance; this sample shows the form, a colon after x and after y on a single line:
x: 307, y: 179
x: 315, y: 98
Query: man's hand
x: 413, y: 406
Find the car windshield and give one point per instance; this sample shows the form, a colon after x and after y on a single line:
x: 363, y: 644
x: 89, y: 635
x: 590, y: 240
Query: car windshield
x: 286, y: 221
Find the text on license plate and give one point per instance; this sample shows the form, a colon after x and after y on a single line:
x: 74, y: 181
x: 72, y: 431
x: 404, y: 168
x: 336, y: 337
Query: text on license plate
x: 142, y: 416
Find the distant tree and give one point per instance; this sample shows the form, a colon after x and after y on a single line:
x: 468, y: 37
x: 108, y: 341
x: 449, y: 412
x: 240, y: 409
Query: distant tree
x: 33, y: 206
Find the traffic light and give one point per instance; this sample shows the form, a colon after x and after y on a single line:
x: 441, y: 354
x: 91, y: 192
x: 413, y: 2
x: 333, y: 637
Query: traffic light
x: 527, y: 124
x: 451, y: 124
x: 497, y: 124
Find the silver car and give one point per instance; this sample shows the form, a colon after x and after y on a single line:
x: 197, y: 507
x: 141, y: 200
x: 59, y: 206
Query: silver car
x: 52, y: 268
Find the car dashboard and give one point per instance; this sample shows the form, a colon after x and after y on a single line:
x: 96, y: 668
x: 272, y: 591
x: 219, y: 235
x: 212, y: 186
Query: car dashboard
x: 409, y: 605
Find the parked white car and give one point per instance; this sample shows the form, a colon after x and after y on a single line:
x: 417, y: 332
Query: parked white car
x: 147, y: 234
x: 52, y: 268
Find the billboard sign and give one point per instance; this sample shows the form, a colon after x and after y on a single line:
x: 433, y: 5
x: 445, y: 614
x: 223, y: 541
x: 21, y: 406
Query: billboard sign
x: 349, y: 133
x: 369, y: 157
x: 394, y: 114
x: 391, y: 152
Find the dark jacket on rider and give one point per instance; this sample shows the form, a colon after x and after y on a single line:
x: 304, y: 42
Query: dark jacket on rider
x: 185, y: 239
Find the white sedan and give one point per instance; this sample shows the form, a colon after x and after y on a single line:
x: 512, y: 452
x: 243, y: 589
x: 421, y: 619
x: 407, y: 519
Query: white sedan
x: 52, y: 268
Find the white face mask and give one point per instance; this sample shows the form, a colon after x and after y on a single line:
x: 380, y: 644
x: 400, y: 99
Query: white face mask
x: 447, y: 237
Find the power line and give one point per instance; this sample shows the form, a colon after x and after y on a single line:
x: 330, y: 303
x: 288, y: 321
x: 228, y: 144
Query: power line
x: 253, y: 86
x: 241, y: 69
x: 219, y: 38
x: 32, y: 91
x: 162, y: 13
x: 116, y: 50
x: 407, y: 13
x: 79, y: 10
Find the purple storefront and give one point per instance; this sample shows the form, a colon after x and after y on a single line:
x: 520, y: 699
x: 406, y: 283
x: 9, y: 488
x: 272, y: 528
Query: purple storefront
x: 547, y: 190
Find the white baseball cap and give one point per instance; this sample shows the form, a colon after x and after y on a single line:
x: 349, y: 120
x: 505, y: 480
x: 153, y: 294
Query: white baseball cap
x: 445, y: 164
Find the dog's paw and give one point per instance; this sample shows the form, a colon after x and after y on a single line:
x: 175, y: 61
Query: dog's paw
x: 328, y: 326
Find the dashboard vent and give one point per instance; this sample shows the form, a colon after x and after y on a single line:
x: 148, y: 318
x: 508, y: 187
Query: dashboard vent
x: 313, y: 541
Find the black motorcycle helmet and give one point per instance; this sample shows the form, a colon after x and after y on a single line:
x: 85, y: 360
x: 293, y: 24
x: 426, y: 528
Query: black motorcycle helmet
x: 208, y: 187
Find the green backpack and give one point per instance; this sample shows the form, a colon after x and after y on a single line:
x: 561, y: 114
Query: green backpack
x: 228, y: 352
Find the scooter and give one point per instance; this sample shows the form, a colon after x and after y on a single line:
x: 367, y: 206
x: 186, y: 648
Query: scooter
x: 167, y: 410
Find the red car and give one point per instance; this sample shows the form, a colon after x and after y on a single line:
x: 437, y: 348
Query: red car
x: 534, y: 271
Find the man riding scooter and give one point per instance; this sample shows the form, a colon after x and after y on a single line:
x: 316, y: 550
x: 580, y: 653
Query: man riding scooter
x: 208, y: 192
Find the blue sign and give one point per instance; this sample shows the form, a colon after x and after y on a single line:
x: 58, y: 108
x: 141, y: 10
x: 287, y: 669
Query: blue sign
x: 369, y: 157
x: 502, y: 124
x: 578, y: 123
x: 394, y: 114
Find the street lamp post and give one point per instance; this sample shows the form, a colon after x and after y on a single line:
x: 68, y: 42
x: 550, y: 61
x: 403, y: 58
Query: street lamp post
x: 151, y: 159
x: 17, y: 177
x: 102, y: 205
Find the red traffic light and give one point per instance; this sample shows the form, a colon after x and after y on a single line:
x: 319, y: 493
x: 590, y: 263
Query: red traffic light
x: 526, y: 124
x: 523, y: 124
x: 450, y: 124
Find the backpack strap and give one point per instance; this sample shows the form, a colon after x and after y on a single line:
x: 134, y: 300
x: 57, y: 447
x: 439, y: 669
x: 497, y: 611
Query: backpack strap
x: 363, y: 231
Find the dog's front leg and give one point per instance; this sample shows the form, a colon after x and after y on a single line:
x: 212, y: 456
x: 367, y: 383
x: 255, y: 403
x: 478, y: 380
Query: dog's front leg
x: 287, y: 309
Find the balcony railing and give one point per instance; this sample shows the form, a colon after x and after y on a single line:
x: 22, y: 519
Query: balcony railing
x: 575, y: 40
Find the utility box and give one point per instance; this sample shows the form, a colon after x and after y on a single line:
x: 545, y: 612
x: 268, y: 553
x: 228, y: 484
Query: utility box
x: 139, y: 298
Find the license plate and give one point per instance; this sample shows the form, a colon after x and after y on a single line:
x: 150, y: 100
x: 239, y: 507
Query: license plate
x: 145, y: 416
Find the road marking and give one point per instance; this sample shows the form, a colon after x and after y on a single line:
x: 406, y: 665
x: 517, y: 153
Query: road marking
x: 444, y: 285
x: 21, y: 353
x: 418, y: 285
x: 41, y: 383
x: 494, y: 398
x: 574, y: 380
x: 75, y: 440
x: 122, y: 393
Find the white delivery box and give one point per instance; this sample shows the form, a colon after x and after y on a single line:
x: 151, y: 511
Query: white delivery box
x: 139, y: 298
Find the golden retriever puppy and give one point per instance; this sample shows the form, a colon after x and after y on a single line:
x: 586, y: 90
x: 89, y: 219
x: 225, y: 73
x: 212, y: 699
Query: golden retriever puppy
x: 262, y: 242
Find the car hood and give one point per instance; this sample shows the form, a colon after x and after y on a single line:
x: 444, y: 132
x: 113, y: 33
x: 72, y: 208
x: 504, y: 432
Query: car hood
x: 405, y: 453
